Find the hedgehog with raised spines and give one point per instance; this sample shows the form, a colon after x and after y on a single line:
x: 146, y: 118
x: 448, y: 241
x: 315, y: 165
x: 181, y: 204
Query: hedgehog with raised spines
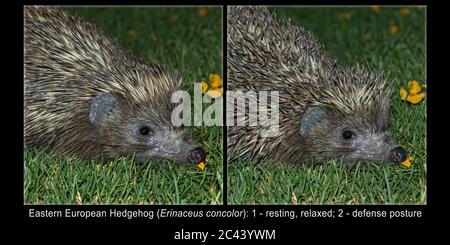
x: 326, y: 109
x: 86, y: 96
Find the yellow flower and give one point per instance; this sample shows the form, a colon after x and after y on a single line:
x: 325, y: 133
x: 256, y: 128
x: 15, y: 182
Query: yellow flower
x: 414, y: 87
x: 214, y: 89
x: 215, y: 92
x: 376, y: 9
x: 215, y: 80
x: 414, y: 94
x: 407, y: 162
x: 394, y: 29
x: 415, y: 98
x: 202, y: 11
x: 403, y: 93
x: 204, y: 86
x: 405, y: 11
x: 345, y: 16
x: 131, y: 33
x: 202, y: 165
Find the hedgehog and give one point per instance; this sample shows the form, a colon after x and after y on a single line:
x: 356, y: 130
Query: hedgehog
x: 87, y: 97
x: 327, y: 110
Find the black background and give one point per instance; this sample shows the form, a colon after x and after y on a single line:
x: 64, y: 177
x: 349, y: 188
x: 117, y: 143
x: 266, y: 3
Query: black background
x: 14, y: 213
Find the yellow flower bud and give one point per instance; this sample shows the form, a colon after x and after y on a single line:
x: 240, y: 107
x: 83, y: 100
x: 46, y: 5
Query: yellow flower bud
x: 415, y: 98
x: 407, y: 162
x: 201, y: 166
x: 403, y: 93
x: 414, y: 87
x: 376, y: 9
x: 215, y: 80
x: 204, y: 87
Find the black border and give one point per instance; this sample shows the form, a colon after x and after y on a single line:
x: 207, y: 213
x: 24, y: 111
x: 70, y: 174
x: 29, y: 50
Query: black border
x: 225, y: 129
x: 15, y: 211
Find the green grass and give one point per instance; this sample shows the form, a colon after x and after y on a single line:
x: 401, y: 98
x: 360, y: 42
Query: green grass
x: 363, y: 38
x: 186, y: 42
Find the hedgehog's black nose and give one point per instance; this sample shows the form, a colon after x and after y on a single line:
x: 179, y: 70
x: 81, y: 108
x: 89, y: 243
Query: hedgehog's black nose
x: 398, y: 154
x: 197, y: 155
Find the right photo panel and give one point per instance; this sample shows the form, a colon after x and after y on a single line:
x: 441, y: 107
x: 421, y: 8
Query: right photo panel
x: 326, y: 105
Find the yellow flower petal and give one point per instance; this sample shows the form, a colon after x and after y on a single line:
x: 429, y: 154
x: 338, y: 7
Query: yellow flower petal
x: 204, y: 87
x: 215, y: 93
x: 394, y: 29
x: 215, y: 80
x: 414, y: 87
x: 405, y: 11
x: 376, y: 9
x: 131, y: 33
x: 202, y: 11
x: 345, y: 16
x: 415, y: 98
x: 407, y: 162
x: 201, y: 166
x: 403, y: 93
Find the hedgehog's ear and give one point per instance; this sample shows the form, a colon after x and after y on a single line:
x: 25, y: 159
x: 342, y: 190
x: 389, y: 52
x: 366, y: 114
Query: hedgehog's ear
x: 311, y: 117
x: 104, y: 106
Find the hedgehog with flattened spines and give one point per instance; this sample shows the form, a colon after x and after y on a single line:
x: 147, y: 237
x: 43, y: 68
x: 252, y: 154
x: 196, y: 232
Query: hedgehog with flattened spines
x: 86, y: 96
x: 326, y: 109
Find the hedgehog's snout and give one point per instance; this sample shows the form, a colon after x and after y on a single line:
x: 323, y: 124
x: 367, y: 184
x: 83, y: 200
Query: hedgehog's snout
x: 197, y: 155
x: 398, y: 154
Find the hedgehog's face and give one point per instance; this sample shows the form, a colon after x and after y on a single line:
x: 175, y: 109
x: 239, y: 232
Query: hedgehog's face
x: 160, y: 143
x: 124, y: 129
x: 351, y: 138
x: 354, y: 143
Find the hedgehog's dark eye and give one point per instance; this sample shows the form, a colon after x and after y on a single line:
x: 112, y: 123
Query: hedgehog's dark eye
x: 347, y: 134
x: 145, y: 130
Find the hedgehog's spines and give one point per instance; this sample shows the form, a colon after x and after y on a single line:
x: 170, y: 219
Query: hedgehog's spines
x: 68, y: 62
x: 266, y: 54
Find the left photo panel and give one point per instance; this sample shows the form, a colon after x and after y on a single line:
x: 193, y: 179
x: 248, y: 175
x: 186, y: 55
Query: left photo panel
x: 123, y: 105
